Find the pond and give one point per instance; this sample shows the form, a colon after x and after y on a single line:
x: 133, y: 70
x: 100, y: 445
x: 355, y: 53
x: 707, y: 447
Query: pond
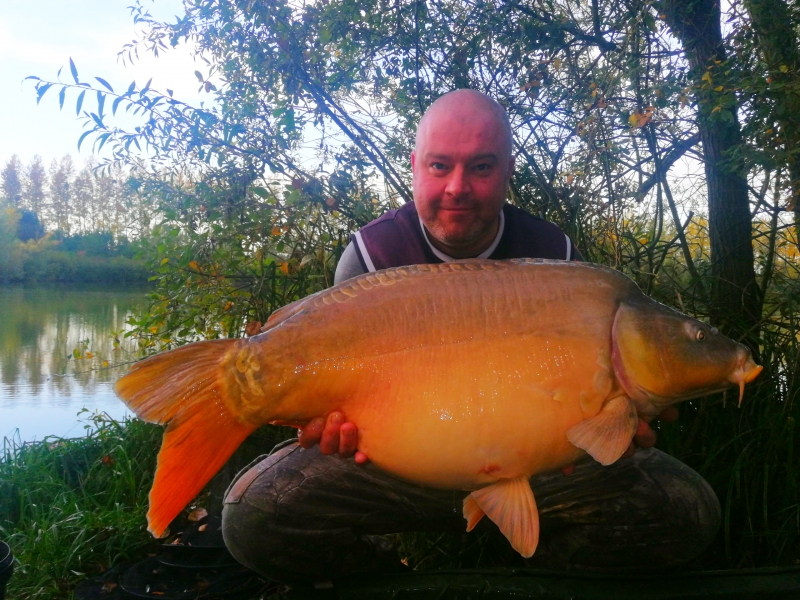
x: 61, y: 349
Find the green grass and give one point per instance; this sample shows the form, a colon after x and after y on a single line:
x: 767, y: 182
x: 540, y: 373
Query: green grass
x: 74, y: 507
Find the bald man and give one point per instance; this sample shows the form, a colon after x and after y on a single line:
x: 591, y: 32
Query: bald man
x: 461, y: 165
x: 315, y: 510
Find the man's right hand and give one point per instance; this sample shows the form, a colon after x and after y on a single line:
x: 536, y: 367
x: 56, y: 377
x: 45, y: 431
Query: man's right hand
x: 334, y: 434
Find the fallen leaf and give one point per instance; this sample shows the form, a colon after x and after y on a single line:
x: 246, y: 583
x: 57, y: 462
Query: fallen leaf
x: 197, y: 514
x: 252, y: 328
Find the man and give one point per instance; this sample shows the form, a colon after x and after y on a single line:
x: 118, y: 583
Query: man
x: 310, y: 513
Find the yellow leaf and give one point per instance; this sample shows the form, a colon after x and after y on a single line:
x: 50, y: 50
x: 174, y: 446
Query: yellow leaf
x: 164, y: 261
x: 285, y: 268
x: 783, y: 69
x: 194, y: 265
x: 557, y: 63
x: 276, y: 231
x: 716, y: 109
x: 89, y: 355
x: 719, y: 88
x: 634, y: 119
x: 105, y: 363
x: 706, y: 76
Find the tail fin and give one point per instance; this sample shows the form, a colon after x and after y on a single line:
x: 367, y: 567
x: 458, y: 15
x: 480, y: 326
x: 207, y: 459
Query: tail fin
x: 185, y: 389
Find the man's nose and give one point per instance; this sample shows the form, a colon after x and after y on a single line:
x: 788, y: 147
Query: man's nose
x: 458, y: 182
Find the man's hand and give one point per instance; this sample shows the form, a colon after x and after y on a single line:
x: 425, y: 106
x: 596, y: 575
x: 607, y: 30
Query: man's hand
x: 334, y: 435
x: 645, y: 437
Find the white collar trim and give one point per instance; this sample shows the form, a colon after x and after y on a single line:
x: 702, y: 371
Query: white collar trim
x: 485, y: 254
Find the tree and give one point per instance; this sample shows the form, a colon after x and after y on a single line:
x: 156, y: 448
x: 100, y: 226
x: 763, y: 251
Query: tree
x: 735, y: 292
x: 11, y: 181
x: 33, y: 195
x: 774, y: 26
x: 62, y: 174
x: 29, y: 227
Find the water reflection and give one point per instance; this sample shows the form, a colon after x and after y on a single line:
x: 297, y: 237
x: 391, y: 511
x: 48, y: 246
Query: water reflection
x: 58, y: 348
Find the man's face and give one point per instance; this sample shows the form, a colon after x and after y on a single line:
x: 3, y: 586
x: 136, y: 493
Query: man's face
x: 461, y: 170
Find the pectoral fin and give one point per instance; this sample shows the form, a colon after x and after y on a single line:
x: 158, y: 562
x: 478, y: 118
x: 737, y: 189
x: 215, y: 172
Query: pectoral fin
x: 606, y: 436
x: 473, y: 513
x: 510, y: 504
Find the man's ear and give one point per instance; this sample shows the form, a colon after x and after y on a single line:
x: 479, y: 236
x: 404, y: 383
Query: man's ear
x: 510, y: 167
x: 413, y: 159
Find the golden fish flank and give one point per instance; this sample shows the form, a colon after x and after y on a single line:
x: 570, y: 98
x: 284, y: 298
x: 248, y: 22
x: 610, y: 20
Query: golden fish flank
x: 499, y: 369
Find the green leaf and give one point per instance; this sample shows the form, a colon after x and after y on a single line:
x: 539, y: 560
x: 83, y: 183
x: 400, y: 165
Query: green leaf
x: 98, y: 121
x: 106, y: 84
x: 74, y: 70
x: 83, y: 137
x: 115, y: 105
x: 79, y: 103
x: 101, y: 100
x: 41, y: 91
x: 260, y: 191
x: 199, y: 76
x: 61, y: 95
x: 103, y: 139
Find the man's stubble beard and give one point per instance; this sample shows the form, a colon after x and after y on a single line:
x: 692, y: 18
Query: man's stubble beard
x: 476, y: 231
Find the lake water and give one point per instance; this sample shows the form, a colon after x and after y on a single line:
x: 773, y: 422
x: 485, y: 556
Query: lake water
x: 61, y: 349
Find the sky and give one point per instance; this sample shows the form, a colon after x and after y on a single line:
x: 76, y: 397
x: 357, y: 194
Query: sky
x: 37, y: 37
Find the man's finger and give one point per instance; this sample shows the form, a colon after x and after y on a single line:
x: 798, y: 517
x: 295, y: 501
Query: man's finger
x: 311, y: 433
x: 329, y: 443
x: 669, y: 414
x: 361, y: 458
x: 645, y: 437
x: 630, y: 451
x: 348, y: 440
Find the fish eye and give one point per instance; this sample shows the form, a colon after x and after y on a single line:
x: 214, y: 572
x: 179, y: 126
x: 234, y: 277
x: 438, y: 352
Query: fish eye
x: 700, y: 335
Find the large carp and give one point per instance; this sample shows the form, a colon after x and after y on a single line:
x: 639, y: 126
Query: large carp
x: 472, y: 375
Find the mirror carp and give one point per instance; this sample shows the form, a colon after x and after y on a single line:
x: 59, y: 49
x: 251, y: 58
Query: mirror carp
x: 472, y: 375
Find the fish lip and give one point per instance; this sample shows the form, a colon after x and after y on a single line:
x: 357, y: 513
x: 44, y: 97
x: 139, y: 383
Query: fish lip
x: 745, y: 372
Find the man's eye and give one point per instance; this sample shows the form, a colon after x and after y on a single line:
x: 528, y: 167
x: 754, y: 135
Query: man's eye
x: 483, y: 167
x: 438, y: 166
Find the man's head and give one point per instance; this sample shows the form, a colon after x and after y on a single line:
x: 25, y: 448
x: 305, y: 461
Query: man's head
x: 462, y: 164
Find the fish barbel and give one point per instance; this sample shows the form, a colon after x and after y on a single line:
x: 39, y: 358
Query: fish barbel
x: 472, y: 375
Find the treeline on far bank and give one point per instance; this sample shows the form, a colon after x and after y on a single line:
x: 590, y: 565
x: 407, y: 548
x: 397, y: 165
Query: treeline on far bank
x: 29, y: 255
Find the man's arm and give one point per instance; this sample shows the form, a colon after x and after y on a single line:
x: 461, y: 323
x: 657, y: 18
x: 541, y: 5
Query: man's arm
x: 349, y: 266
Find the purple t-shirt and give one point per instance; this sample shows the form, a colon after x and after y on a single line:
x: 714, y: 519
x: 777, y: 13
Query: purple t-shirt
x: 397, y: 239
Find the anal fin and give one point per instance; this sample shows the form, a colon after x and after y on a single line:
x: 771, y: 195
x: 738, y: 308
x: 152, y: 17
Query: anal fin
x: 509, y: 503
x: 606, y: 436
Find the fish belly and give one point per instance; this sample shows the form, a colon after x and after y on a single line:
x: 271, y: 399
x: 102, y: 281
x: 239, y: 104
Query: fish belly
x: 460, y: 416
x: 454, y: 379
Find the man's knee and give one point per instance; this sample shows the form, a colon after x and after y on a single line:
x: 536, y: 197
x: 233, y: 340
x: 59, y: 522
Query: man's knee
x: 693, y: 511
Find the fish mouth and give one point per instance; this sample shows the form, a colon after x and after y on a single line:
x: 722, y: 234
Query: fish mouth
x: 745, y: 372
